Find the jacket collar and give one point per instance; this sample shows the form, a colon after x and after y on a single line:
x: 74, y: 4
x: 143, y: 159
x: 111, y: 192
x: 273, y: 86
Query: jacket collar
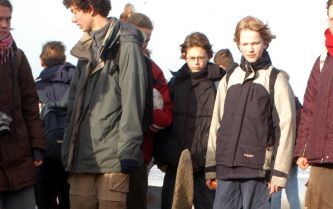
x: 211, y: 72
x: 81, y: 50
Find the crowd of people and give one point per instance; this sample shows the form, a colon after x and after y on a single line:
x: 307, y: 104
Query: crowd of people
x: 82, y: 137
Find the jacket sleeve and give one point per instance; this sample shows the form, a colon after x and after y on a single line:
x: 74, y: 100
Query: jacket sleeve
x: 162, y: 117
x: 133, y: 84
x: 30, y: 104
x: 210, y: 168
x: 307, y: 111
x: 284, y: 121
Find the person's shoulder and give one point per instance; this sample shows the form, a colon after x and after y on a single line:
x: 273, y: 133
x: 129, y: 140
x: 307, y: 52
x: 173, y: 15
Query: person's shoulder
x: 129, y: 33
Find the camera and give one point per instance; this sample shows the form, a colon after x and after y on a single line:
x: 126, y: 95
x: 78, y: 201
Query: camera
x: 5, y: 121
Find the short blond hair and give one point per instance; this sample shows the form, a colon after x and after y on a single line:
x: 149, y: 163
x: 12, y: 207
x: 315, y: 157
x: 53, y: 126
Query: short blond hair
x: 253, y: 24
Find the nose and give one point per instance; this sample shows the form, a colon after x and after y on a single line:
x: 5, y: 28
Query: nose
x: 4, y: 23
x: 250, y: 48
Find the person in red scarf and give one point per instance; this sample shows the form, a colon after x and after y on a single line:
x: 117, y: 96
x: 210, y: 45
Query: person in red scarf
x: 314, y: 146
x: 21, y: 133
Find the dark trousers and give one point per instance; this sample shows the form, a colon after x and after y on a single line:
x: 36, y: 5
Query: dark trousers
x: 52, y: 189
x: 22, y: 199
x: 203, y: 197
x: 242, y: 194
x: 137, y: 195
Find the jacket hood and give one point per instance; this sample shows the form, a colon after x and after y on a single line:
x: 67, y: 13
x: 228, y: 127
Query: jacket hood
x: 212, y: 72
x: 118, y: 32
x: 57, y: 73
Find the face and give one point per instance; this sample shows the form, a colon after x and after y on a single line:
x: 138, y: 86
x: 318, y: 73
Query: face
x: 330, y: 18
x: 147, y: 33
x: 196, y: 58
x: 82, y: 19
x: 5, y: 20
x: 251, y: 45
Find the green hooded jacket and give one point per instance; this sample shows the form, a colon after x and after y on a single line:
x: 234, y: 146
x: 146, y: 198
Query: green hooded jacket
x: 106, y: 107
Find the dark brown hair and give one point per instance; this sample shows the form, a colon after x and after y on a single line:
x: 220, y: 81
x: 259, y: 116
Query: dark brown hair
x: 53, y: 53
x: 6, y: 3
x: 329, y: 3
x: 102, y: 7
x: 223, y: 57
x: 196, y: 39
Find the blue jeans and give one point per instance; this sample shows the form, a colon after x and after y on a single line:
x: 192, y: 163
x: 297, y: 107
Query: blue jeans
x: 242, y: 194
x: 291, y: 192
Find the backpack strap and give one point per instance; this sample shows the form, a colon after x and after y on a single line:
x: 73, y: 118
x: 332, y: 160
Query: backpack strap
x: 272, y: 79
x: 230, y: 70
x: 322, y: 59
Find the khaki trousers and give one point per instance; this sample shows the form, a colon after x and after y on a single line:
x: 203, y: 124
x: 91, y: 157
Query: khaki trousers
x: 98, y: 191
x: 319, y: 193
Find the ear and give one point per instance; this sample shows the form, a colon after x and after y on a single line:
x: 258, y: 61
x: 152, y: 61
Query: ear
x: 91, y: 10
x: 183, y: 56
x: 42, y: 63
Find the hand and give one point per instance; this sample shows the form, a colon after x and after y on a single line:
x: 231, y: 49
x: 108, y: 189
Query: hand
x: 273, y: 188
x: 211, y: 184
x: 128, y: 165
x: 302, y: 162
x: 158, y: 102
x: 38, y: 163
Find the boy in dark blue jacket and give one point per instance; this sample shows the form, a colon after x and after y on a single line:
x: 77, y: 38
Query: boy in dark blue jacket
x: 52, y: 85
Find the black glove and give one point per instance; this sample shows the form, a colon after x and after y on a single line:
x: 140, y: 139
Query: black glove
x: 128, y: 165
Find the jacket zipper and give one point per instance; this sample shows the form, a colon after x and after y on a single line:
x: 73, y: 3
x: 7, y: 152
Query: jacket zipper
x: 303, y: 154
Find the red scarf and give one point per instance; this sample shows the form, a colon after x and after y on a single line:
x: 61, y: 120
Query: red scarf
x: 6, y: 49
x: 329, y: 41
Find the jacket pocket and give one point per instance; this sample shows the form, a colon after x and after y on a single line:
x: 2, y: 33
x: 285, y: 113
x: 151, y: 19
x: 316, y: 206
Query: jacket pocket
x: 252, y: 156
x: 118, y: 186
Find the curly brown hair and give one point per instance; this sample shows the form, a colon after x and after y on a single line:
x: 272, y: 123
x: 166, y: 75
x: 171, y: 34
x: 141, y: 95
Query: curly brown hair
x: 102, y: 7
x: 196, y: 39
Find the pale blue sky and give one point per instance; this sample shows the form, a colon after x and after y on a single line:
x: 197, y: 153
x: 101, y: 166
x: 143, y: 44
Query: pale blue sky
x: 298, y: 25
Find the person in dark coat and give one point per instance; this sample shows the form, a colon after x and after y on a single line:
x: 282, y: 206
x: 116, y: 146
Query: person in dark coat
x: 252, y: 134
x: 193, y: 92
x: 314, y: 144
x: 161, y: 111
x: 52, y: 189
x: 21, y: 134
